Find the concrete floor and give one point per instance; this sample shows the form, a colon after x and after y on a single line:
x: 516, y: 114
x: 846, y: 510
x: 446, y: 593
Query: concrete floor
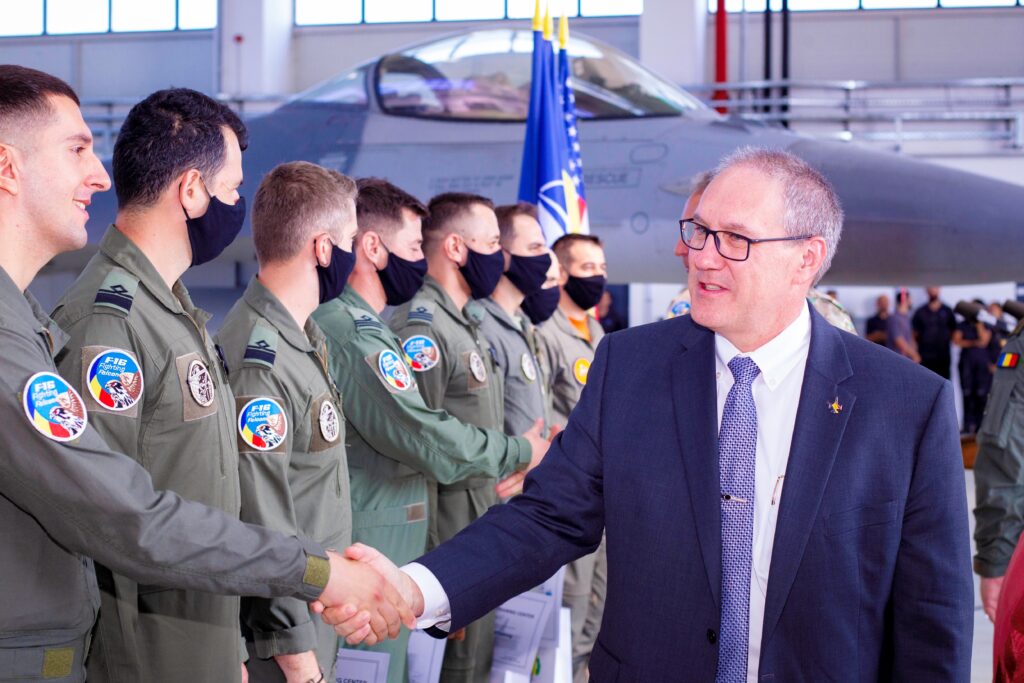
x: 981, y: 657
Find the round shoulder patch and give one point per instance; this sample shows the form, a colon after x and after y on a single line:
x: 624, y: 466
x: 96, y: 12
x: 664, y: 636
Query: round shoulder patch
x: 421, y: 352
x: 580, y: 370
x: 200, y: 384
x: 393, y: 370
x: 53, y: 407
x: 679, y: 308
x: 114, y: 379
x: 477, y: 367
x: 330, y: 426
x: 529, y: 367
x: 262, y: 424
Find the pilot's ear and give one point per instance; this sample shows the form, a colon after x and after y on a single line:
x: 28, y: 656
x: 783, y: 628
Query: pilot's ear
x: 323, y: 249
x: 454, y: 248
x: 191, y: 194
x: 9, y: 172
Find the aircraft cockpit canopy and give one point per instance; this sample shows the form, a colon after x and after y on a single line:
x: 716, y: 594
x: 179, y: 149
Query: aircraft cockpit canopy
x: 485, y: 76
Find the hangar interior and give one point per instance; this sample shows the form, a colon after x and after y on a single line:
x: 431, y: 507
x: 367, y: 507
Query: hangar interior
x: 941, y: 80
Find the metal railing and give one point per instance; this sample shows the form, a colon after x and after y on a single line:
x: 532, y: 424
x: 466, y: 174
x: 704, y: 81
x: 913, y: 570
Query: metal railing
x: 989, y: 111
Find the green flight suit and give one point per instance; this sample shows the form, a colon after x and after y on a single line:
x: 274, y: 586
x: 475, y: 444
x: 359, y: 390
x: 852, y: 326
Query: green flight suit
x: 66, y: 498
x: 569, y: 356
x: 292, y: 466
x: 999, y: 467
x: 464, y: 382
x: 515, y: 353
x: 180, y: 427
x: 395, y: 442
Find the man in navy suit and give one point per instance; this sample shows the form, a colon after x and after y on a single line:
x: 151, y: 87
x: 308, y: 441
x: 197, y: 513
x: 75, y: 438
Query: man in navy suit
x: 783, y: 501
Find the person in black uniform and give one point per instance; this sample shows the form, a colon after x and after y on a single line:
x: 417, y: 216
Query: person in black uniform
x: 973, y: 338
x: 933, y: 325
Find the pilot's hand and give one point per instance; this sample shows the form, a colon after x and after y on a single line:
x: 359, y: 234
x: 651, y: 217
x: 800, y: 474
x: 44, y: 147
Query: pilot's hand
x: 990, y: 589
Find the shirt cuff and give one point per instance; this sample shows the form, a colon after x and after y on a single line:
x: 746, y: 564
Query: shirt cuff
x: 437, y: 611
x: 288, y: 641
x: 524, y: 455
x: 316, y: 571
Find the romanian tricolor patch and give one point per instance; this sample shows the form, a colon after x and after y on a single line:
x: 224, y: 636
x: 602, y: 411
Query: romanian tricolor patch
x: 1008, y: 360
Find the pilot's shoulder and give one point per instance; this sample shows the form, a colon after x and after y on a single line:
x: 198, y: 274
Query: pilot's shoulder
x: 420, y: 311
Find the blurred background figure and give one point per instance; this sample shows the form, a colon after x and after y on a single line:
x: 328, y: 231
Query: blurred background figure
x: 610, y: 319
x: 899, y: 335
x: 973, y: 338
x: 933, y: 326
x: 878, y: 324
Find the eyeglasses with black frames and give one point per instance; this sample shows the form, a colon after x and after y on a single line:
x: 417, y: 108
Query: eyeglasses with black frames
x: 730, y: 245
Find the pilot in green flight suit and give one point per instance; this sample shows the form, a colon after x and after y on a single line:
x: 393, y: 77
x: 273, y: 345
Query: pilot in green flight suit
x: 394, y: 440
x: 291, y: 436
x: 462, y: 243
x: 999, y: 471
x: 174, y: 410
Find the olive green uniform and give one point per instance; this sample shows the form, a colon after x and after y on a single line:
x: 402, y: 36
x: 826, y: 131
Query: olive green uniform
x: 295, y: 481
x: 999, y: 467
x: 182, y: 431
x: 569, y: 356
x: 464, y: 383
x: 64, y: 502
x: 514, y: 341
x: 395, y: 442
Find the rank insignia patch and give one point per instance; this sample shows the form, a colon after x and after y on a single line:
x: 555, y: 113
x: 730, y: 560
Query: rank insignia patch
x: 262, y: 424
x: 114, y: 380
x: 53, y: 407
x: 421, y: 352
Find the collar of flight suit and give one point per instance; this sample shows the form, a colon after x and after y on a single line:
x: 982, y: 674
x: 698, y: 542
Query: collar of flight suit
x: 22, y: 306
x: 350, y: 297
x: 263, y: 301
x: 561, y: 321
x: 116, y: 246
x: 516, y: 324
x: 469, y: 316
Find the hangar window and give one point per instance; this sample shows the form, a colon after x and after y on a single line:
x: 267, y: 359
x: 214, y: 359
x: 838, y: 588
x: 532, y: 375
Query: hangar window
x: 324, y: 12
x: 819, y: 5
x: 62, y: 17
x: 485, y: 76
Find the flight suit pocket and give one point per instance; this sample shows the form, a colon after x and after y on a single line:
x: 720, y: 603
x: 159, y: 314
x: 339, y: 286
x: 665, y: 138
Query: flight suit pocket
x: 869, y: 515
x: 198, y: 393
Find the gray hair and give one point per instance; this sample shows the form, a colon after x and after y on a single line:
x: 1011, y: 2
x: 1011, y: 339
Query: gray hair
x: 812, y: 206
x: 701, y: 181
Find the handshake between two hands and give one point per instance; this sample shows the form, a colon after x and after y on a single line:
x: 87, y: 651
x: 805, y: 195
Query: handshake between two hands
x: 368, y: 598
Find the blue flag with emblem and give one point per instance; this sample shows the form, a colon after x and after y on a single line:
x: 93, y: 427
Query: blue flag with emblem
x: 546, y: 179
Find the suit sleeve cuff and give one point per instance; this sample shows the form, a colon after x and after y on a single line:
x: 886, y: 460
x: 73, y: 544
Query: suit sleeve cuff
x: 316, y: 571
x: 437, y: 612
x: 524, y: 454
x: 289, y: 641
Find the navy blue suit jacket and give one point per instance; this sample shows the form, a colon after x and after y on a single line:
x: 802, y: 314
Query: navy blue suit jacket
x: 870, y: 577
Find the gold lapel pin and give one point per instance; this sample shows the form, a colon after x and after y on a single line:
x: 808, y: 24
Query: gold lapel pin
x: 835, y: 406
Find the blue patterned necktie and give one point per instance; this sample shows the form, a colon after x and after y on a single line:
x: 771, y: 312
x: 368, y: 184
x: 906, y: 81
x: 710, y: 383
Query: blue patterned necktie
x: 737, y: 446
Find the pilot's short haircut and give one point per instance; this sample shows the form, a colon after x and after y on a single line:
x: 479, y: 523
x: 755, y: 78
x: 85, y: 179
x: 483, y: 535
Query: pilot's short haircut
x: 380, y: 203
x: 24, y: 98
x: 166, y: 134
x: 563, y: 246
x: 506, y: 218
x: 295, y: 201
x: 446, y: 207
x: 812, y: 205
x: 701, y: 181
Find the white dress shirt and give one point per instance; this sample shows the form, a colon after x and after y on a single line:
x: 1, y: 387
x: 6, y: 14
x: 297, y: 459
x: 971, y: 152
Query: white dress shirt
x: 776, y: 394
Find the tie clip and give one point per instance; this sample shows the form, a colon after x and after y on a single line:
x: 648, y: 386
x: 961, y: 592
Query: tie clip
x: 733, y: 499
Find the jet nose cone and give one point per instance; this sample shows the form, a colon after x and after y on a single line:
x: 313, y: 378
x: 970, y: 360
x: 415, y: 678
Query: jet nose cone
x: 910, y: 222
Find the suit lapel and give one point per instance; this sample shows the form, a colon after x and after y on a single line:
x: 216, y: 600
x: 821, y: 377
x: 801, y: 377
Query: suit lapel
x: 693, y: 399
x: 816, y: 437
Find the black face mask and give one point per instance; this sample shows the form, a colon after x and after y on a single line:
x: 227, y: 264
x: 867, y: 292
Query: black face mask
x: 585, y: 292
x: 402, y: 278
x: 528, y: 273
x: 482, y: 272
x: 541, y: 305
x: 211, y: 233
x: 334, y: 275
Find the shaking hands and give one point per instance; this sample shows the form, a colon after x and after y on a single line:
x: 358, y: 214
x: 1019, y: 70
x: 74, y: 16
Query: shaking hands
x: 368, y: 598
